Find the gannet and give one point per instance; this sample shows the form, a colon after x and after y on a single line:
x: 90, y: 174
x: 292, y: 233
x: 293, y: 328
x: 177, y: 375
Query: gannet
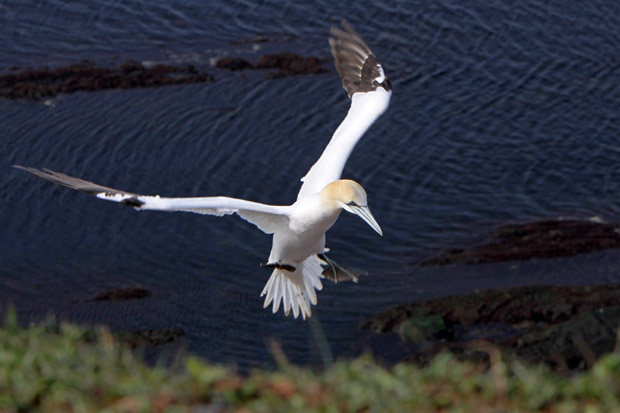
x: 298, y: 246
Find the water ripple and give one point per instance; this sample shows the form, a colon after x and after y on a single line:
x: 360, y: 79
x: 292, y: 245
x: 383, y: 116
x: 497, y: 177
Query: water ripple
x: 502, y: 112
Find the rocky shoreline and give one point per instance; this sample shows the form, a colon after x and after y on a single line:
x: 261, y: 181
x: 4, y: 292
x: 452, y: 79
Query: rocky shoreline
x: 566, y: 328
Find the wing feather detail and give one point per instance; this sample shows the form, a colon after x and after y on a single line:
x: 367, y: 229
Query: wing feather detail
x: 358, y: 67
x: 266, y: 217
x: 370, y: 90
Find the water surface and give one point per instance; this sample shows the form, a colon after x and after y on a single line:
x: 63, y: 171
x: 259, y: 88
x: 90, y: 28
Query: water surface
x: 502, y: 112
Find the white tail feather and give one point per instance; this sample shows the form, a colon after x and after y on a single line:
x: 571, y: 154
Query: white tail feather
x: 296, y: 290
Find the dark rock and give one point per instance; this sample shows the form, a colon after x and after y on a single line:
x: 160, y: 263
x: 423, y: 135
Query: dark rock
x: 564, y: 327
x: 543, y: 239
x: 288, y: 64
x: 276, y: 60
x: 575, y: 344
x: 85, y: 76
x: 233, y: 63
x: 120, y: 294
x: 291, y: 64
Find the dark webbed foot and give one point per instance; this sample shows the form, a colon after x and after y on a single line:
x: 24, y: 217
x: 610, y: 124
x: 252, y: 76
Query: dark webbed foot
x: 278, y: 265
x: 337, y: 273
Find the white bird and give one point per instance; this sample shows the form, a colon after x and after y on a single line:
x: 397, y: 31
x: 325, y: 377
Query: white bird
x: 297, y: 255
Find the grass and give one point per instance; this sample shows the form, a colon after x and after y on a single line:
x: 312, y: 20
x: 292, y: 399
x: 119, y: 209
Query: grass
x: 64, y: 368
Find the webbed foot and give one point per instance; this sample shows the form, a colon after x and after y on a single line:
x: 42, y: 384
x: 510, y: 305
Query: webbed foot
x: 336, y: 273
x: 278, y: 265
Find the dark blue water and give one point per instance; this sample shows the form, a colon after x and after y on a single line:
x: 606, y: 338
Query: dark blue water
x: 502, y: 112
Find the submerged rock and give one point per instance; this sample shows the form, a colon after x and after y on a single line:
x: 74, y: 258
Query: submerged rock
x: 85, y: 76
x: 124, y: 293
x: 288, y: 64
x: 233, y: 63
x: 564, y: 327
x: 542, y: 239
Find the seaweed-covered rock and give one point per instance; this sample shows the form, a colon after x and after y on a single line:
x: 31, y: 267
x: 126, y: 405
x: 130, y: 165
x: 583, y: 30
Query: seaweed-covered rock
x: 289, y: 64
x: 85, y: 76
x: 564, y: 327
x: 233, y: 63
x: 542, y: 239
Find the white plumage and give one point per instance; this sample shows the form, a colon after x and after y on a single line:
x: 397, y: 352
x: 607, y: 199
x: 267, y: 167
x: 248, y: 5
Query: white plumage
x: 298, y: 247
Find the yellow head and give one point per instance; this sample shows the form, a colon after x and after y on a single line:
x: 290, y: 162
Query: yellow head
x: 350, y: 196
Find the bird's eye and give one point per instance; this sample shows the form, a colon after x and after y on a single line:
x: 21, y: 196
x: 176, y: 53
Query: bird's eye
x: 352, y: 203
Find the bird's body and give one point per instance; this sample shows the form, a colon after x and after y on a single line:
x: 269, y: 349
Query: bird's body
x: 308, y: 220
x: 298, y: 245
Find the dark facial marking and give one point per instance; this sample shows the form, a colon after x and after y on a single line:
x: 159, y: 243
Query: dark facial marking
x: 386, y: 84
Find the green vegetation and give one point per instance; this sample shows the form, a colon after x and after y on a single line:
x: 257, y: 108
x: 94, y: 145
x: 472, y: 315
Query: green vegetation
x: 65, y: 368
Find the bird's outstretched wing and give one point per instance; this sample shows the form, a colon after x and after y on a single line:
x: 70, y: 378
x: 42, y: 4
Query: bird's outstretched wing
x: 369, y: 89
x: 265, y: 217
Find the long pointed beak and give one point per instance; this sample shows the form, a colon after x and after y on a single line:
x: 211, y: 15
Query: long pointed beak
x: 364, y: 213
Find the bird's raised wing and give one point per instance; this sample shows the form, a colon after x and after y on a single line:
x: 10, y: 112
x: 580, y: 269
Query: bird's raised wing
x: 369, y: 89
x: 265, y: 217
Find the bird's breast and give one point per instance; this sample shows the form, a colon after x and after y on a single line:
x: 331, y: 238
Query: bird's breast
x: 305, y: 233
x: 314, y: 217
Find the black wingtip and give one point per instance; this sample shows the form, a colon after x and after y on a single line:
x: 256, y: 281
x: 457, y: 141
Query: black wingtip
x: 23, y: 168
x: 348, y: 27
x: 357, y: 65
